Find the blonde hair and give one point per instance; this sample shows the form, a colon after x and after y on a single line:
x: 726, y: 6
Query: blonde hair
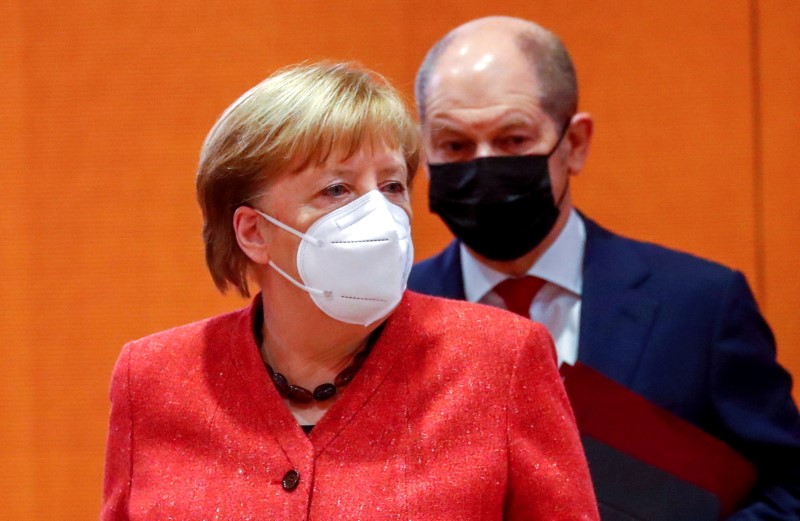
x: 297, y: 116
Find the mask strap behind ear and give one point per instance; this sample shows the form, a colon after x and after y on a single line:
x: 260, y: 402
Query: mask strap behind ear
x: 299, y: 285
x: 560, y: 139
x: 561, y: 136
x: 563, y: 195
x: 303, y: 236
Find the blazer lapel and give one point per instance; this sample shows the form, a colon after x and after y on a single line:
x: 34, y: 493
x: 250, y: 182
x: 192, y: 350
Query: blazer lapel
x: 385, y: 354
x: 616, y: 317
x: 251, y: 391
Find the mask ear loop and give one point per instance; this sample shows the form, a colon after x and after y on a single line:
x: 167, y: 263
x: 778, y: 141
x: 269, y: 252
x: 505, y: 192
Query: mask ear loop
x: 560, y: 137
x: 327, y: 293
x: 313, y: 240
x: 553, y: 151
x: 560, y: 199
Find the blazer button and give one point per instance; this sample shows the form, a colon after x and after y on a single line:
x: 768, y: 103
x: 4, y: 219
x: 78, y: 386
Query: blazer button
x: 290, y: 480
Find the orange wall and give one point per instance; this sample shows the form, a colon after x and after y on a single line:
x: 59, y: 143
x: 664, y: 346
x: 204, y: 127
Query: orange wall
x: 105, y: 105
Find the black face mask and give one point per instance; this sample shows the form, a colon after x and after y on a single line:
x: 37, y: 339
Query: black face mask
x: 500, y: 207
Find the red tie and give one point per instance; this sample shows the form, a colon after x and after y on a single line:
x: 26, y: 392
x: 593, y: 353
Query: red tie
x: 518, y: 293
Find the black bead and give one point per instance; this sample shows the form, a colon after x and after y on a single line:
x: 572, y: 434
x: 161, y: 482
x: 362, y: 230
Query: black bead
x: 281, y: 384
x: 359, y: 359
x: 290, y: 480
x: 345, y: 376
x: 324, y: 392
x: 299, y: 394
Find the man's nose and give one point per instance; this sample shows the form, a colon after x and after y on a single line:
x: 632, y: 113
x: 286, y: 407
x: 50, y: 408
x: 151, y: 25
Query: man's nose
x: 484, y: 150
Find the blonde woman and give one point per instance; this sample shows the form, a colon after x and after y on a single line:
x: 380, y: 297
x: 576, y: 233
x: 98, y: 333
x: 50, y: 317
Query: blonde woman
x: 335, y: 394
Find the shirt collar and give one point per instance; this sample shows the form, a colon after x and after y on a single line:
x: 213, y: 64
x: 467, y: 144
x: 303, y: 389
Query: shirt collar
x: 561, y: 264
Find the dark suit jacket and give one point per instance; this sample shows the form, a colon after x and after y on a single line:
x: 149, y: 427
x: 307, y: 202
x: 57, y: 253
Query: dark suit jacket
x: 427, y: 430
x: 687, y: 334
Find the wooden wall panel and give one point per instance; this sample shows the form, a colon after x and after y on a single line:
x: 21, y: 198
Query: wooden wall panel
x: 779, y: 55
x: 17, y: 475
x: 672, y: 104
x: 117, y: 100
x: 109, y: 103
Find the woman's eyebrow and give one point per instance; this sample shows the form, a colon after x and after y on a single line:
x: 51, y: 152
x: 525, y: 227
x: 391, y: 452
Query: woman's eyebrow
x: 338, y: 171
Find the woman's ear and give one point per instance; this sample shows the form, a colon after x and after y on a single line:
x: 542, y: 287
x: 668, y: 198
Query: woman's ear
x: 251, y: 234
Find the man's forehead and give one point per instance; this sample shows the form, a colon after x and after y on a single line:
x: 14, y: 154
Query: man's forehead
x: 498, y: 118
x: 506, y: 115
x: 479, y: 51
x: 468, y: 64
x: 461, y: 87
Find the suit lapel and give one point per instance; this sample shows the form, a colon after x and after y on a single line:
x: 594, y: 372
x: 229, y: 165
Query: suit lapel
x: 442, y: 275
x: 453, y: 281
x: 616, y: 316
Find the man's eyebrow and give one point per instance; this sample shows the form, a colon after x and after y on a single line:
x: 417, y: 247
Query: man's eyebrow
x: 445, y: 126
x: 515, y: 121
x: 441, y: 123
x: 503, y: 122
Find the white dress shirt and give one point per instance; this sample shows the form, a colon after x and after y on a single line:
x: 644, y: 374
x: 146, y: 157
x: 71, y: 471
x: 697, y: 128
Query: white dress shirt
x: 558, y: 304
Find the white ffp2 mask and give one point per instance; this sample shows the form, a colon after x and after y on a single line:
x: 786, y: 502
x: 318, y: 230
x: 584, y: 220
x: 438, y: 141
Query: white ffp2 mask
x: 354, y: 261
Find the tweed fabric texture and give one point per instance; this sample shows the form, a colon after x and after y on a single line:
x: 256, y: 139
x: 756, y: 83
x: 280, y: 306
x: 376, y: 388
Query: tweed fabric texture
x: 457, y: 414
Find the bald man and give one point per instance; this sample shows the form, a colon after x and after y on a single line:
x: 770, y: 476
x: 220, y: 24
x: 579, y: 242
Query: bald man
x: 498, y: 105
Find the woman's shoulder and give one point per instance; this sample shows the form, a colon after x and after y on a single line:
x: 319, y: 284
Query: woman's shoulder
x: 451, y: 340
x: 184, y: 341
x: 456, y: 311
x: 471, y: 322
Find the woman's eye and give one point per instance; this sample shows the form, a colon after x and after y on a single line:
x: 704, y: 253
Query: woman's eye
x: 394, y: 187
x: 335, y: 190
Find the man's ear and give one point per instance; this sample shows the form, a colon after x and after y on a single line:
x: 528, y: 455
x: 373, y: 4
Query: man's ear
x: 579, y: 137
x: 251, y: 234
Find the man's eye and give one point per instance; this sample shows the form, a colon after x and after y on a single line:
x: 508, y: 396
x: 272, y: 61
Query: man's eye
x: 514, y: 141
x: 454, y: 146
x: 335, y: 190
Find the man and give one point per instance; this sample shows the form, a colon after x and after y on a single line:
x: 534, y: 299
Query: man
x: 497, y: 99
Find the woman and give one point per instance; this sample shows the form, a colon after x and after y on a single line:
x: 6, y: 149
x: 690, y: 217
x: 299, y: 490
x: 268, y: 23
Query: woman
x: 413, y: 407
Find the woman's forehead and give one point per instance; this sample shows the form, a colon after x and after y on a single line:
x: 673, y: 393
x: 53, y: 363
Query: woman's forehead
x: 341, y: 153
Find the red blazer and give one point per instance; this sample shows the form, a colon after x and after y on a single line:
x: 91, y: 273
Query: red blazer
x: 458, y: 414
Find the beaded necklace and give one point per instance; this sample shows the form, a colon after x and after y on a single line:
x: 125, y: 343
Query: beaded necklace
x: 324, y: 391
